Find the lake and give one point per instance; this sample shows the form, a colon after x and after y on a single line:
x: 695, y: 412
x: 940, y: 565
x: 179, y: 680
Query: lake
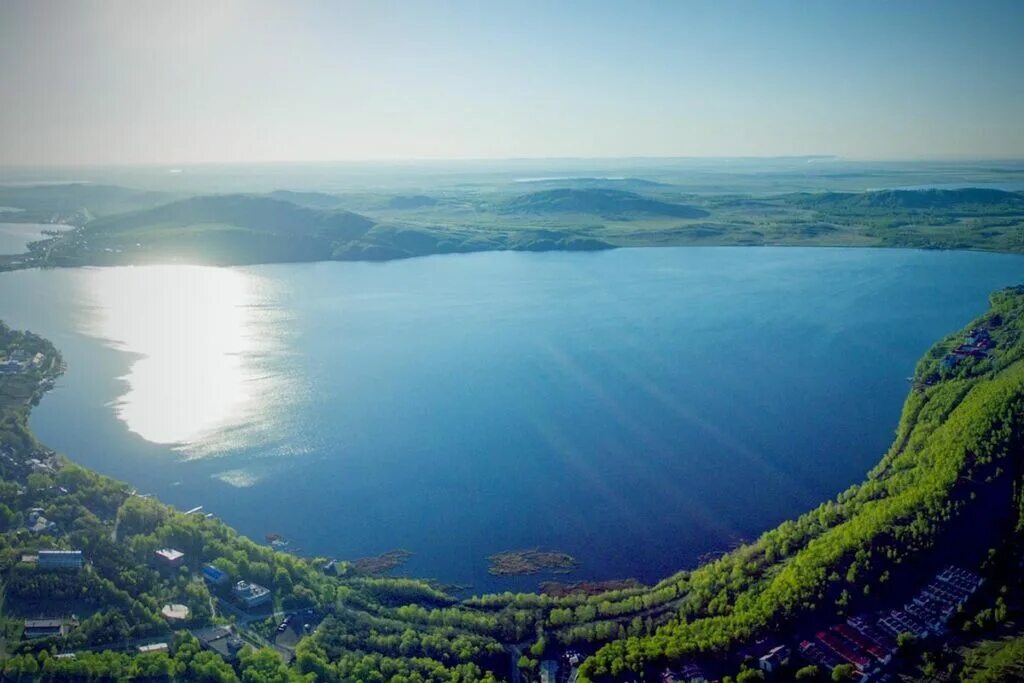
x: 636, y: 408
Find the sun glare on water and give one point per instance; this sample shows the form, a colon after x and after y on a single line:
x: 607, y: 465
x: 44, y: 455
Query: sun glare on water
x: 198, y: 333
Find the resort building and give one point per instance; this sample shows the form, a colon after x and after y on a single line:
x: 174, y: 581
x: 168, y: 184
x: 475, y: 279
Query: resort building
x: 38, y: 524
x: 169, y: 557
x: 220, y: 639
x: 250, y: 594
x: 774, y: 660
x: 60, y: 559
x: 45, y: 628
x: 153, y: 647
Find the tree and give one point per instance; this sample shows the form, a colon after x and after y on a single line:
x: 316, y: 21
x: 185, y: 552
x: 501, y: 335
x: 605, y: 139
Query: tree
x: 749, y: 676
x: 263, y: 666
x: 808, y: 673
x: 844, y: 672
x: 905, y: 641
x: 207, y: 666
x: 8, y: 517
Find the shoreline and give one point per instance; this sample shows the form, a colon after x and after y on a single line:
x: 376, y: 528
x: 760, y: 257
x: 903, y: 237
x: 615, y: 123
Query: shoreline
x: 5, y: 268
x: 614, y: 574
x: 663, y: 601
x: 451, y: 254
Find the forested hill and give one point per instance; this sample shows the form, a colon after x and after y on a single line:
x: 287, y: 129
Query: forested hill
x: 219, y: 229
x: 251, y: 212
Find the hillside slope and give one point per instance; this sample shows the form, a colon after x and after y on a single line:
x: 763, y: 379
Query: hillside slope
x: 223, y: 229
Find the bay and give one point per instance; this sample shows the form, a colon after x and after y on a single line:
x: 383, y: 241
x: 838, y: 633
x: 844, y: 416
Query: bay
x: 636, y: 408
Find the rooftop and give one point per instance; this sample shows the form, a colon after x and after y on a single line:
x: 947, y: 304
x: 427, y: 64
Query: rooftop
x: 245, y: 588
x: 175, y: 611
x: 170, y: 554
x: 153, y: 647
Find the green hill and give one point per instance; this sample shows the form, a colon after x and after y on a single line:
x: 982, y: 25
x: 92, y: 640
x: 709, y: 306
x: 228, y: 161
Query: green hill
x: 921, y: 200
x: 246, y: 229
x: 250, y: 212
x: 314, y: 200
x: 597, y: 201
x: 223, y: 229
x: 120, y: 226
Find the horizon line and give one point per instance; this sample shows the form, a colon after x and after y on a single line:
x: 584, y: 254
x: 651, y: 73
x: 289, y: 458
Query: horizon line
x: 170, y: 165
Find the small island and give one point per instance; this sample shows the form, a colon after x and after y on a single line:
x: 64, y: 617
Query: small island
x: 379, y: 564
x: 533, y: 561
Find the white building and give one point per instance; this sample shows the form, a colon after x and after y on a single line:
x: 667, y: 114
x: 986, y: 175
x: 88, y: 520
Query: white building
x: 169, y: 557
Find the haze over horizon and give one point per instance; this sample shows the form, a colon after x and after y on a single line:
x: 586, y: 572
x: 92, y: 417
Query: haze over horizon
x: 239, y: 82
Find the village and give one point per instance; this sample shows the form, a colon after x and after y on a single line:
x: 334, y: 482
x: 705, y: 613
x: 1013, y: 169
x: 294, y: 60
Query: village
x: 245, y: 602
x: 976, y: 344
x: 50, y: 558
x: 19, y: 361
x: 864, y: 645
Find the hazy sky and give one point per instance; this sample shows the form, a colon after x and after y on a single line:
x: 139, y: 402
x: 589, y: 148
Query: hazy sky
x: 218, y: 80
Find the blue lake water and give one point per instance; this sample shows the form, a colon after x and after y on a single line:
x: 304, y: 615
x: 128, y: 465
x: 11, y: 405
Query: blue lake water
x: 636, y: 408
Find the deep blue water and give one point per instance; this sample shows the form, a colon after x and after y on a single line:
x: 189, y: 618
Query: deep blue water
x: 636, y: 408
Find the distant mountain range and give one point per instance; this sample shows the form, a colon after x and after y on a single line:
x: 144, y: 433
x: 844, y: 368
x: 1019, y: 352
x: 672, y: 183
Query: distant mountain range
x: 589, y: 182
x: 597, y: 201
x: 79, y: 201
x: 117, y: 225
x: 316, y: 200
x: 890, y: 200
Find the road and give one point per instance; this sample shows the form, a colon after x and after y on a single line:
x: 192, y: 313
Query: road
x: 514, y: 653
